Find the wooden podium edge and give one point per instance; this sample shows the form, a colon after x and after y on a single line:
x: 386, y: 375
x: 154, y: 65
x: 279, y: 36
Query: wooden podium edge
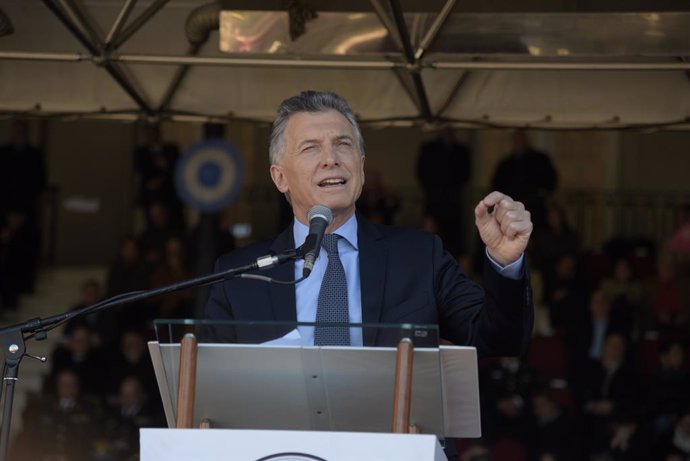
x: 187, y: 382
x: 402, y: 394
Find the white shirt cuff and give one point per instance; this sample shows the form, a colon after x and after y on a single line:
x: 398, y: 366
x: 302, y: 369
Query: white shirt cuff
x: 512, y: 271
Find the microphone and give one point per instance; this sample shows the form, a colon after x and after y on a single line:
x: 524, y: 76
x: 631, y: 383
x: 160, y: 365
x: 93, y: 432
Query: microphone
x: 320, y: 217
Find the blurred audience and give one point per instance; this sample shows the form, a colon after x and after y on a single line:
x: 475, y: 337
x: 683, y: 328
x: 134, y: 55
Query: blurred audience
x: 506, y: 386
x: 377, y: 203
x: 22, y: 182
x: 586, y: 339
x: 626, y: 294
x: 554, y: 240
x: 666, y: 393
x: 565, y: 294
x: 155, y: 161
x: 127, y: 272
x: 80, y: 355
x: 553, y: 434
x: 129, y: 412
x: 668, y: 306
x: 172, y: 269
x: 527, y: 174
x: 611, y: 397
x: 677, y: 447
x: 158, y: 231
x: 101, y: 324
x: 19, y: 253
x: 132, y: 359
x: 63, y: 425
x: 444, y: 166
x: 679, y: 243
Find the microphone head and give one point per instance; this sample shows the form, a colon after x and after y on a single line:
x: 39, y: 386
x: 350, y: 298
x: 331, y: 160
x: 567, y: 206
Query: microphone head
x: 320, y: 211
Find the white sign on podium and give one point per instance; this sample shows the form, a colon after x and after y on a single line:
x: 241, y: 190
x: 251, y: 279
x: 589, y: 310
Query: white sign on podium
x: 259, y: 445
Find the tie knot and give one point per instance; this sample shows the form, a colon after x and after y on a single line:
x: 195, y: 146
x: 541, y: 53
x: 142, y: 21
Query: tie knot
x: 330, y: 243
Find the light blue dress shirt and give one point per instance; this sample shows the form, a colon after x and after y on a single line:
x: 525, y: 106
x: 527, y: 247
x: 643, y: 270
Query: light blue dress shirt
x: 307, y: 291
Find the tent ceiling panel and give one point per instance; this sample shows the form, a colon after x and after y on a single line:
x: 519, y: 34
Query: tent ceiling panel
x: 36, y: 29
x: 553, y: 34
x: 59, y: 87
x: 331, y: 34
x: 566, y: 50
x: 222, y: 91
x: 552, y: 99
x: 560, y: 34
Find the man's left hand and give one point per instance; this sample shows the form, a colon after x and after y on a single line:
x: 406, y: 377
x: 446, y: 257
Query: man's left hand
x: 504, y: 226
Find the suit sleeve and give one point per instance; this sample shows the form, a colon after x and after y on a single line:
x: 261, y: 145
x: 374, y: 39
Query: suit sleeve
x: 496, y: 319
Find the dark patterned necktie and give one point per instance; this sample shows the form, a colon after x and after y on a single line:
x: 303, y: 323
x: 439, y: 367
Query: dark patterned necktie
x: 332, y: 305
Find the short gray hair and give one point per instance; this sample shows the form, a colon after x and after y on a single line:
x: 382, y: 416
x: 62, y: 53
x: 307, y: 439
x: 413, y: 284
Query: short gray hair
x: 308, y: 101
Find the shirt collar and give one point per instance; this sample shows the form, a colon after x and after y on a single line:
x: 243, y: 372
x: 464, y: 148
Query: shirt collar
x: 347, y: 231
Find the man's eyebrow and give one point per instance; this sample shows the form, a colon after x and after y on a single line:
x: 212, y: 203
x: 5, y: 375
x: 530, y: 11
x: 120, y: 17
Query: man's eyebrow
x: 307, y: 141
x: 341, y: 137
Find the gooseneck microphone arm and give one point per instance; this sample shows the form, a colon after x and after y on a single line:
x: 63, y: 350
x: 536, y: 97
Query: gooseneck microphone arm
x: 13, y: 337
x: 319, y: 217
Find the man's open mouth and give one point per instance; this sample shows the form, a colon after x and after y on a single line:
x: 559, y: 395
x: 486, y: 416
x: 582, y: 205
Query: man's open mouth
x: 330, y: 182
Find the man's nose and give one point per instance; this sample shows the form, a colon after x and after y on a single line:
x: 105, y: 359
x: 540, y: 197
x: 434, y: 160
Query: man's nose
x: 329, y: 156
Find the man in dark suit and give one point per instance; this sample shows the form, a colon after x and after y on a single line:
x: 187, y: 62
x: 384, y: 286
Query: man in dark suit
x: 393, y: 275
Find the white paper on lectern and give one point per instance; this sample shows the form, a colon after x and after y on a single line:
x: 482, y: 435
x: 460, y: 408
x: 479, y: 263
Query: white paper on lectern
x: 285, y: 372
x: 229, y: 444
x: 293, y: 338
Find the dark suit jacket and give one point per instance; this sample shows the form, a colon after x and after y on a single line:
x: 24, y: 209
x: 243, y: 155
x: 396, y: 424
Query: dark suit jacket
x: 406, y: 277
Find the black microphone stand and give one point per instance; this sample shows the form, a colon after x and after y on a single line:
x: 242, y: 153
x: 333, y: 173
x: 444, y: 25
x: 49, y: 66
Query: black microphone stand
x: 13, y: 338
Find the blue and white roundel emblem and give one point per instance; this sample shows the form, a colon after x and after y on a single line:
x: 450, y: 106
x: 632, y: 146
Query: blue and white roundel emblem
x: 210, y: 175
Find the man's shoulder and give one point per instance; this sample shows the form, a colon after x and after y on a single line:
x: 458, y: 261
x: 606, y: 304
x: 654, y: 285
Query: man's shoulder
x: 246, y: 254
x: 400, y: 234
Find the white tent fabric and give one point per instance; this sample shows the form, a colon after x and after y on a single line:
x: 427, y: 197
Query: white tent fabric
x: 558, y: 70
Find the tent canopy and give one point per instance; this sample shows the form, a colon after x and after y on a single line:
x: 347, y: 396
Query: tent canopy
x: 548, y: 64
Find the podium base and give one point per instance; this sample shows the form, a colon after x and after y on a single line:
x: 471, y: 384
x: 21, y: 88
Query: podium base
x: 267, y: 445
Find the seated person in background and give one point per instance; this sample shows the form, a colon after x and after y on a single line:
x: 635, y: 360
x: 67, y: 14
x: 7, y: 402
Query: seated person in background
x: 553, y: 432
x: 129, y: 412
x: 666, y: 392
x: 132, y: 358
x: 668, y: 306
x: 505, y: 391
x: 83, y: 357
x: 101, y: 324
x: 565, y: 294
x: 555, y: 239
x: 63, y: 426
x: 625, y: 292
x: 678, y: 447
x: 611, y: 396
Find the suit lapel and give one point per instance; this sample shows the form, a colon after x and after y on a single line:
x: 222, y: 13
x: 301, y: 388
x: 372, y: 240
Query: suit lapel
x: 372, y: 269
x: 283, y: 296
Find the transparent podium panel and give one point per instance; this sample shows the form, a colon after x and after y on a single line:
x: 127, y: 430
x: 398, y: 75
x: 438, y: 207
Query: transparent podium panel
x: 269, y: 375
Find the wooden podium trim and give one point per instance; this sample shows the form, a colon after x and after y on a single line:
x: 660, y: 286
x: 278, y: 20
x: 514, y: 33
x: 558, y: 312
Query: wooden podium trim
x: 402, y: 397
x: 187, y: 382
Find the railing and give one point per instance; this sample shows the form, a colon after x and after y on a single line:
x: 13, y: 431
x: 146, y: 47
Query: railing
x: 597, y: 215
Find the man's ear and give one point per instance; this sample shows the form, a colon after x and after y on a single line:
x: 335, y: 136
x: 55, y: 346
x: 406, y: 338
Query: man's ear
x: 279, y: 179
x: 364, y: 176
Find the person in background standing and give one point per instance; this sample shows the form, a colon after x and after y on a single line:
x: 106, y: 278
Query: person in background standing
x: 444, y: 166
x: 527, y: 175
